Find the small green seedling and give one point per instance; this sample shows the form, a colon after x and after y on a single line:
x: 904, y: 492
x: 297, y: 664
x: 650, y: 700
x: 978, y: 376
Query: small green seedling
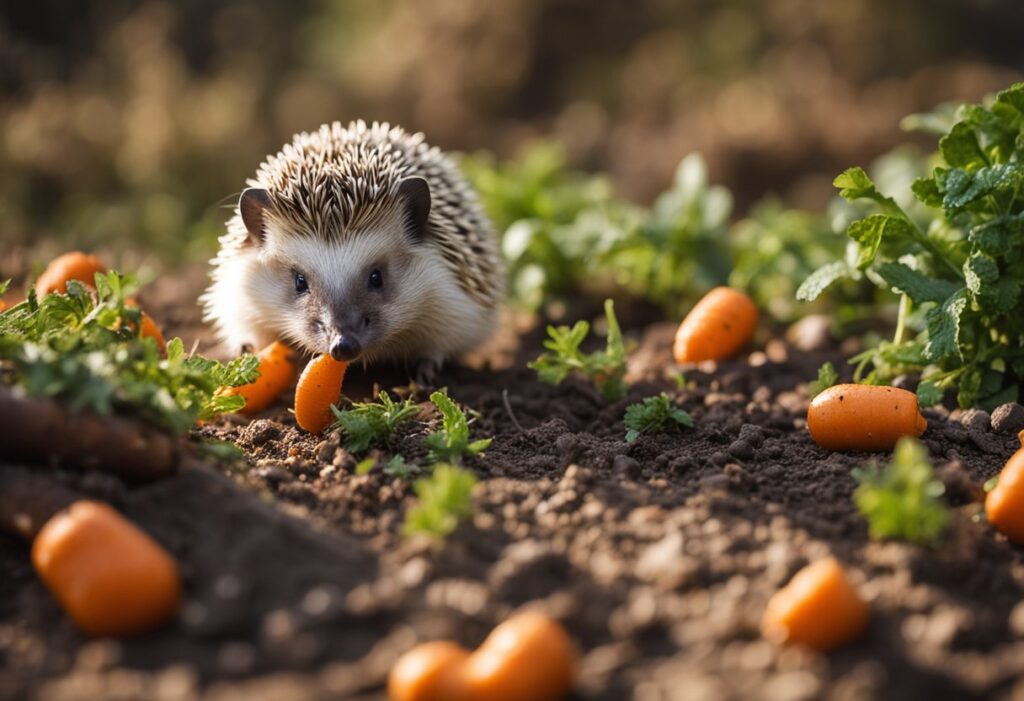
x: 654, y: 415
x: 372, y: 424
x: 398, y: 467
x: 827, y: 376
x: 451, y: 443
x: 902, y: 501
x: 445, y: 497
x: 605, y: 369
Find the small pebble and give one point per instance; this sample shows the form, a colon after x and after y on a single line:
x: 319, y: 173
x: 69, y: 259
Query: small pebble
x: 1008, y: 418
x: 627, y: 466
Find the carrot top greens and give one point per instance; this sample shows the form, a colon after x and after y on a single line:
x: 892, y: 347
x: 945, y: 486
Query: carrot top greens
x: 84, y: 349
x: 903, y: 501
x: 605, y: 369
x: 959, y: 268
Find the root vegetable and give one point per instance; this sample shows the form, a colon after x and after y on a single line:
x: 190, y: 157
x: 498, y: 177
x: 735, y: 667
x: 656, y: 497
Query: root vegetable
x: 151, y: 330
x: 864, y: 417
x: 70, y: 266
x: 430, y: 672
x: 276, y: 374
x: 319, y: 387
x: 1004, y: 505
x: 40, y: 430
x: 107, y: 574
x: 527, y: 658
x: 721, y: 323
x: 818, y: 608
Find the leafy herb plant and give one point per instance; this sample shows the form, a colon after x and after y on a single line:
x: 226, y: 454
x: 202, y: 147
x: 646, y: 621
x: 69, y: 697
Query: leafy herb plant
x: 827, y: 376
x: 960, y: 276
x: 372, y: 424
x: 605, y: 369
x: 902, y: 501
x: 654, y: 415
x: 451, y: 443
x: 445, y: 497
x: 84, y: 349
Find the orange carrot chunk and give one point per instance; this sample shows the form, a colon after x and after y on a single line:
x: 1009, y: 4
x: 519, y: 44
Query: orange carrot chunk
x: 107, y: 574
x: 864, y: 417
x: 818, y: 608
x: 1004, y: 505
x: 529, y: 657
x: 430, y: 672
x: 319, y: 387
x: 70, y: 266
x: 721, y: 323
x: 151, y: 330
x: 276, y: 373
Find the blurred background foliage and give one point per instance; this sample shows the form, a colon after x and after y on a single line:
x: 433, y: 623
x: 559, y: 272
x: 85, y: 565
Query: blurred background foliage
x: 134, y: 124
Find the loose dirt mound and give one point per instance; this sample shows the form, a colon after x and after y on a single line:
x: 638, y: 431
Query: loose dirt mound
x: 659, y: 555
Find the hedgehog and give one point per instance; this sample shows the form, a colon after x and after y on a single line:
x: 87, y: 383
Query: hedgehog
x: 362, y: 242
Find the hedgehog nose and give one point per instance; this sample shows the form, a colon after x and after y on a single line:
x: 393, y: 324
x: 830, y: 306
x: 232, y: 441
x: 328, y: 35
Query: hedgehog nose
x: 345, y: 348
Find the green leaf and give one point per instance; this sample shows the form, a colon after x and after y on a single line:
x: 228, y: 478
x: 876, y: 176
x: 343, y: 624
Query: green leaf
x: 916, y: 285
x: 365, y: 465
x: 961, y: 188
x: 929, y: 394
x: 445, y: 498
x: 854, y: 184
x: 369, y: 424
x: 960, y: 148
x: 903, y: 501
x: 653, y: 415
x: 827, y: 377
x: 870, y: 231
x: 944, y: 324
x: 451, y: 443
x: 818, y: 281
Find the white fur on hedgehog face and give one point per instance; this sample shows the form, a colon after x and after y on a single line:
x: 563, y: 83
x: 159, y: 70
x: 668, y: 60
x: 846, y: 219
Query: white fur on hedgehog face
x: 339, y: 297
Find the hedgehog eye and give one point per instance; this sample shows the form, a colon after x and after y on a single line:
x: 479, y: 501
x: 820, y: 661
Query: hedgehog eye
x: 376, y: 280
x: 301, y: 286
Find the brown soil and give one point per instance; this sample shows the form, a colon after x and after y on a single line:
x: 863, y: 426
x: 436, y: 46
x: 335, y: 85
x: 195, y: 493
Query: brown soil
x: 658, y: 556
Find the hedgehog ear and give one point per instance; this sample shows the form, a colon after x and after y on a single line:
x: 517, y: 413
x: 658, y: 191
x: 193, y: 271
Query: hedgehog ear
x: 416, y: 194
x: 251, y: 205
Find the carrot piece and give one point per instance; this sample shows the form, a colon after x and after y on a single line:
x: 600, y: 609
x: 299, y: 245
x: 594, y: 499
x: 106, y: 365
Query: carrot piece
x: 529, y: 657
x: 818, y: 608
x: 151, y: 330
x: 1021, y: 437
x: 864, y: 417
x: 110, y: 577
x: 70, y: 266
x: 1004, y: 505
x: 720, y: 324
x: 430, y: 672
x: 276, y: 373
x: 319, y: 387
x: 3, y: 305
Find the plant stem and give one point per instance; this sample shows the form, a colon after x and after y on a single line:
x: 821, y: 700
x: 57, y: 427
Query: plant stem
x: 901, y: 319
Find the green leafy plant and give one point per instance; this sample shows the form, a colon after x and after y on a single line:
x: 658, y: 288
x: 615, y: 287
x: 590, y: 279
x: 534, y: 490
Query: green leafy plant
x: 445, y: 497
x: 902, y: 501
x: 606, y: 368
x: 372, y: 424
x: 84, y: 349
x: 959, y: 275
x: 827, y: 376
x: 654, y: 415
x: 451, y: 443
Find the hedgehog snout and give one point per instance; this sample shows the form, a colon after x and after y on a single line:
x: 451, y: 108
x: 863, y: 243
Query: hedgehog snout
x: 345, y: 347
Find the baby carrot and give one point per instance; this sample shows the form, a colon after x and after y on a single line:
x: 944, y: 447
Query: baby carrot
x: 110, y: 577
x: 319, y: 387
x: 721, y: 323
x: 276, y: 373
x: 1004, y: 505
x: 430, y: 672
x: 529, y: 657
x: 864, y: 417
x: 70, y: 266
x: 151, y: 330
x: 818, y: 608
